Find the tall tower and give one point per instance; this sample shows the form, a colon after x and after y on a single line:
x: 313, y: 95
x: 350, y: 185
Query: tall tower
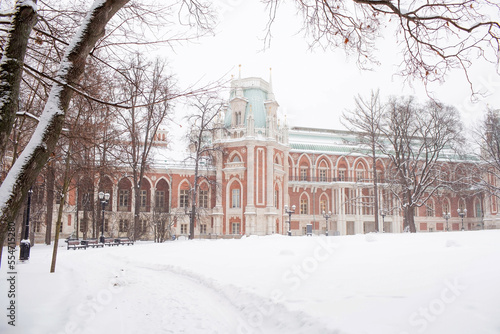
x: 253, y: 169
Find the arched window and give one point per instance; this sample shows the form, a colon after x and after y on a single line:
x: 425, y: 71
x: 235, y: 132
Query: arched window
x: 323, y: 204
x: 360, y: 172
x: 124, y: 199
x: 236, y: 198
x: 162, y: 195
x: 145, y: 196
x: 430, y: 208
x: 236, y: 158
x: 184, y: 195
x: 323, y: 171
x: 304, y: 205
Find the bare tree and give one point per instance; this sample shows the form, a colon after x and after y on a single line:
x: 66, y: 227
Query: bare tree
x: 487, y: 137
x: 365, y: 121
x: 70, y: 65
x: 161, y: 222
x: 416, y: 139
x: 149, y: 91
x: 434, y: 36
x: 202, y: 128
x: 24, y: 172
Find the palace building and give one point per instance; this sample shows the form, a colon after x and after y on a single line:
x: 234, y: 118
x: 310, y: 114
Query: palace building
x: 267, y: 166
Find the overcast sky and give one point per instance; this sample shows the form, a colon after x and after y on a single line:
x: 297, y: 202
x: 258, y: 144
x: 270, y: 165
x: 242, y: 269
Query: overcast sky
x: 313, y: 87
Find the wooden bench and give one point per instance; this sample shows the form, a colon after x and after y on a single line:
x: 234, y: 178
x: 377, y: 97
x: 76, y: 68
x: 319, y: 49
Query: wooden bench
x: 92, y: 243
x: 124, y: 241
x: 75, y: 244
x: 110, y: 242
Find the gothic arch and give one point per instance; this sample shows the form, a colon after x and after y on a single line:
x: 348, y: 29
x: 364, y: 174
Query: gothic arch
x: 304, y: 203
x: 124, y: 194
x: 235, y: 156
x: 233, y: 184
x: 162, y: 195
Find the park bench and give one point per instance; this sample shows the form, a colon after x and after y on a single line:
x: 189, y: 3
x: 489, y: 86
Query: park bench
x: 110, y: 242
x: 75, y: 244
x: 124, y: 241
x: 92, y: 243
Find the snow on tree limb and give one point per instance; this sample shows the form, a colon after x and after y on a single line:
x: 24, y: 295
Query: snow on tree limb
x: 11, y: 66
x: 35, y: 155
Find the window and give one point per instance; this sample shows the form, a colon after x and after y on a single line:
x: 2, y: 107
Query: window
x: 123, y: 225
x: 359, y: 175
x: 303, y: 206
x: 429, y: 212
x: 184, y: 228
x: 160, y: 199
x: 276, y: 198
x: 322, y: 175
x: 184, y: 198
x: 236, y: 158
x: 446, y: 207
x: 143, y: 195
x: 235, y: 203
x: 303, y: 173
x: 123, y: 198
x: 479, y: 211
x: 322, y: 205
x: 203, y: 198
x: 203, y: 229
x: 236, y: 228
x: 342, y: 175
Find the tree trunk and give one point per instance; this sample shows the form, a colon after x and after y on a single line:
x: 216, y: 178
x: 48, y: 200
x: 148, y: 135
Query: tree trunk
x: 11, y: 67
x: 409, y: 219
x: 50, y: 203
x: 26, y: 169
x: 375, y: 187
x: 65, y: 188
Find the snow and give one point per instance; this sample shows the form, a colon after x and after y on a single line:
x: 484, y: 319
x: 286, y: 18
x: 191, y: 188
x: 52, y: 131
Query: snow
x: 439, y: 283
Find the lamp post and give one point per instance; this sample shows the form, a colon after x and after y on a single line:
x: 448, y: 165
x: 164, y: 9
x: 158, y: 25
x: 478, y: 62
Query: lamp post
x: 289, y: 212
x: 24, y: 249
x: 327, y: 216
x: 104, y: 198
x: 383, y: 213
x: 446, y: 215
x: 462, y: 214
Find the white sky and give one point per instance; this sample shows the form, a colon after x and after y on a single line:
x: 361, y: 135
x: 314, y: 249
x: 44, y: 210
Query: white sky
x: 313, y: 87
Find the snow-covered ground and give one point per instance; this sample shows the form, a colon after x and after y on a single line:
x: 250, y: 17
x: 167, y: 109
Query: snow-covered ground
x: 376, y: 283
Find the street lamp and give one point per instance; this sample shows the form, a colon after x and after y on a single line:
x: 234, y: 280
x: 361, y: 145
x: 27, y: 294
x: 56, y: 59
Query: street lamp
x: 446, y: 215
x: 290, y: 218
x: 327, y: 216
x: 383, y: 213
x: 24, y: 249
x: 104, y: 198
x: 462, y: 214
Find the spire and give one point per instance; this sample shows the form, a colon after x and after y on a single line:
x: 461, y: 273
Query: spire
x: 270, y: 94
x: 239, y: 90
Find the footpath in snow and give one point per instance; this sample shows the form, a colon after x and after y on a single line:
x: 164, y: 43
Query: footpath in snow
x: 376, y: 283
